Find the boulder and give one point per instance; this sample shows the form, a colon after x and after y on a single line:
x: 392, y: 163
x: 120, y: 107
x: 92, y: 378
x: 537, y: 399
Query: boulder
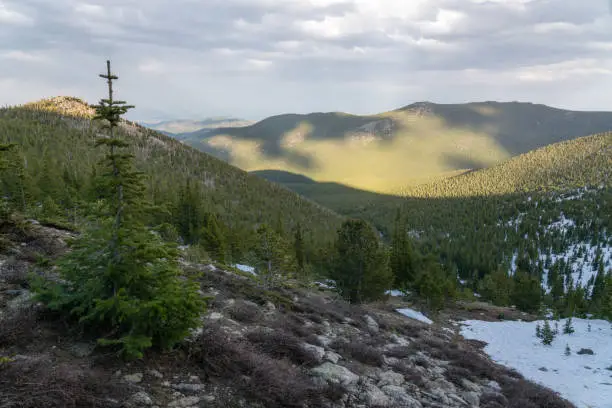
x: 334, y: 373
x: 390, y: 378
x: 400, y: 397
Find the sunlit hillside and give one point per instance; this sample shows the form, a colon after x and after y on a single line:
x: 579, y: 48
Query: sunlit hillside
x: 388, y: 152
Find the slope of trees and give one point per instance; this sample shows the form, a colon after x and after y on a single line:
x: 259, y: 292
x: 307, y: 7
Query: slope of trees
x: 53, y: 176
x: 121, y: 280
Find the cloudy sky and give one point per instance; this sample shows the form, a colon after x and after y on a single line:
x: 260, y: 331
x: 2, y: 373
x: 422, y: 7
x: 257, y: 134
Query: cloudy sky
x: 255, y: 58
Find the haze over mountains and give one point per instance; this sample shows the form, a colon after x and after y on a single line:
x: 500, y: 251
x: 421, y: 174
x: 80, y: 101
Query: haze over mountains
x: 181, y: 127
x: 391, y: 151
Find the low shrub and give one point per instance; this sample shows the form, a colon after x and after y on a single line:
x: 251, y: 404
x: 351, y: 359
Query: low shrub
x: 359, y: 351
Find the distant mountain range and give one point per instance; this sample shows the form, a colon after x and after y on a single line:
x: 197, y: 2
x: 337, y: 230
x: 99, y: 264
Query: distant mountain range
x: 389, y: 152
x: 185, y: 126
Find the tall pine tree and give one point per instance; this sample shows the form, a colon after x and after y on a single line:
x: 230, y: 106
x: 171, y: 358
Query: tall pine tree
x: 121, y: 280
x: 361, y: 267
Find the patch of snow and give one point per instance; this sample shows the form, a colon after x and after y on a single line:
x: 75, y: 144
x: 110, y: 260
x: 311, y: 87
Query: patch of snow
x: 413, y: 314
x: 245, y: 268
x: 515, y: 345
x: 563, y: 224
x: 396, y: 293
x: 326, y: 284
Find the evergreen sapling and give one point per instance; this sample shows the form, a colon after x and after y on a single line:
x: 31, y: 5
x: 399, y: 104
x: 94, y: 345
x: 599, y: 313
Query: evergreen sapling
x: 121, y: 280
x: 548, y: 335
x: 568, y: 328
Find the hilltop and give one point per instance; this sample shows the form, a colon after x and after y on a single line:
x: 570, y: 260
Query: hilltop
x: 55, y: 138
x: 388, y: 152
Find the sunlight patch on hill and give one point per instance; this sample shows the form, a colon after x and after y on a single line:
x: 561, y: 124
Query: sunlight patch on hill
x: 421, y: 151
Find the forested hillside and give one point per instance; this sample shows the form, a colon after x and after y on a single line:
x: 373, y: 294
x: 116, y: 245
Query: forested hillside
x: 52, y: 165
x: 388, y: 152
x: 542, y: 219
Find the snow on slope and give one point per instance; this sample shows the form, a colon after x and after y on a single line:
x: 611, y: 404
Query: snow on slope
x: 413, y: 314
x: 581, y: 266
x: 585, y: 380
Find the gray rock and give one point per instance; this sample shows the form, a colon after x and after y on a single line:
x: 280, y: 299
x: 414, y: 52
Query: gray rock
x: 399, y: 340
x: 374, y: 397
x: 324, y: 340
x: 335, y: 374
x: 390, y: 378
x: 586, y: 351
x: 493, y: 386
x: 184, y: 402
x: 443, y: 385
x: 23, y: 301
x: 141, y: 399
x: 318, y: 352
x: 82, y: 349
x: 133, y: 378
x: 193, y: 388
x: 332, y: 357
x: 214, y: 316
x: 544, y: 369
x: 372, y: 325
x: 155, y: 374
x: 472, y: 398
x: 470, y: 386
x: 457, y: 399
x: 400, y: 397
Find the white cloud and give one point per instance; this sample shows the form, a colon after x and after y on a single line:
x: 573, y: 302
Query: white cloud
x: 22, y: 56
x: 9, y: 16
x: 349, y: 55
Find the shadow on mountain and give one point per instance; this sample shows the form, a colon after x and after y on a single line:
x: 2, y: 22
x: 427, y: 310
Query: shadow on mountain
x: 512, y: 126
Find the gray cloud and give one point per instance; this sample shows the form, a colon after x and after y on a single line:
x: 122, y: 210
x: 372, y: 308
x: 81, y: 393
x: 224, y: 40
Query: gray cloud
x: 254, y: 58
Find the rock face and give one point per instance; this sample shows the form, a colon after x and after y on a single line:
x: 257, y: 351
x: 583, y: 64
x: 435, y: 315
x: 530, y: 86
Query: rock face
x: 335, y: 374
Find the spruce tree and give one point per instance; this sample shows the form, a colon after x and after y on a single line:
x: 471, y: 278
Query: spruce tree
x: 538, y: 331
x: 361, y: 268
x: 121, y: 280
x: 568, y: 328
x: 274, y: 258
x: 547, y: 334
x: 298, y: 247
x: 4, y: 164
x: 567, y: 350
x: 213, y: 238
x: 401, y: 260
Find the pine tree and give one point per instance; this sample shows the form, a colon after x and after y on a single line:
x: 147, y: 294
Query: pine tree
x: 568, y: 328
x: 4, y: 164
x: 547, y: 334
x: 538, y: 331
x: 188, y: 217
x: 212, y: 238
x: 274, y: 259
x: 360, y: 268
x: 567, y: 350
x: 121, y: 280
x: 401, y: 260
x: 298, y: 247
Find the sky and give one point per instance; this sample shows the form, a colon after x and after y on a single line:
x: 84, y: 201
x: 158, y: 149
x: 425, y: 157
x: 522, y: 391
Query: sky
x: 256, y: 58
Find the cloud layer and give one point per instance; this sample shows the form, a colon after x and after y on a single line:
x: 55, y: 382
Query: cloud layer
x: 254, y: 58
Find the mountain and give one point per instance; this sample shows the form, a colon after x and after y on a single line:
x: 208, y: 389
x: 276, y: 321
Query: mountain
x: 391, y: 151
x: 55, y: 138
x: 186, y: 126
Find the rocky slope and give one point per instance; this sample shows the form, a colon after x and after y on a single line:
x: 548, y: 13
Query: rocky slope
x: 289, y: 347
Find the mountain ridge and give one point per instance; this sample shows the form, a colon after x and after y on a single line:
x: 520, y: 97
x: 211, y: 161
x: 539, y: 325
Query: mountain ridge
x: 390, y: 151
